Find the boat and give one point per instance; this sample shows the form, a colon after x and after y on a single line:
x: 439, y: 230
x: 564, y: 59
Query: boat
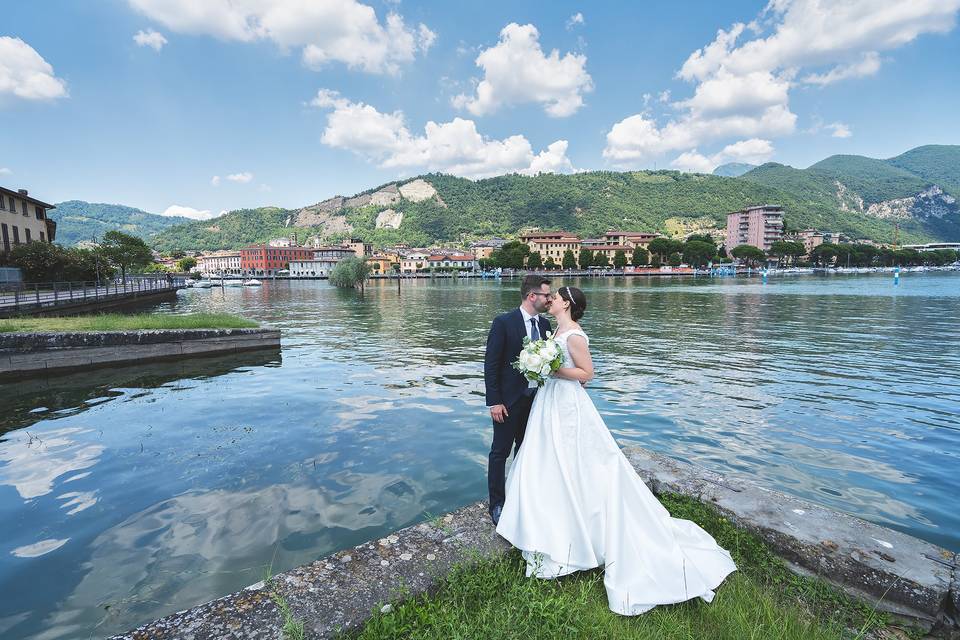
x: 203, y: 284
x: 252, y: 282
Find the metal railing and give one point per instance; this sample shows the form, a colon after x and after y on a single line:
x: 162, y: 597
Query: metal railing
x: 32, y: 295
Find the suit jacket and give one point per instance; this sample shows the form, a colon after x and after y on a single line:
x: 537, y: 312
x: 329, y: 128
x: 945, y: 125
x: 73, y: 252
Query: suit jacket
x: 504, y: 384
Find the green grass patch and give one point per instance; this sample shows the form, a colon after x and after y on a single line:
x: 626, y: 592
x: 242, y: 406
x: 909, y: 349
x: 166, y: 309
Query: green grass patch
x: 763, y: 600
x: 122, y: 322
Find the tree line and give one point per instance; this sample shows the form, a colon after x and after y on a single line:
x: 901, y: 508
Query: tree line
x: 48, y: 262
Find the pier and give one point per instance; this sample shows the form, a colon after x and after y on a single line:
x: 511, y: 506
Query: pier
x: 43, y: 298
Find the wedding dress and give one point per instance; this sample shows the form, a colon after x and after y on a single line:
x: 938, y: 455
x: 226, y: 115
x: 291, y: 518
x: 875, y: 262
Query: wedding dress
x: 574, y: 502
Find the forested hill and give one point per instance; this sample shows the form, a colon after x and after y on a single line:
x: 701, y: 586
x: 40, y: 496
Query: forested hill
x: 79, y: 221
x: 861, y: 197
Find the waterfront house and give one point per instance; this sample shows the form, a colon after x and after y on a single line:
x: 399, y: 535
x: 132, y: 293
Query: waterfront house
x: 264, y: 260
x: 360, y: 248
x: 381, y: 264
x: 551, y: 244
x: 225, y: 263
x: 759, y: 226
x: 482, y: 249
x: 631, y: 239
x: 457, y: 261
x: 413, y: 262
x: 24, y: 219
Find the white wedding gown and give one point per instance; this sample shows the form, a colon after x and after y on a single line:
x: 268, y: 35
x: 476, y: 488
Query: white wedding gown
x: 574, y: 502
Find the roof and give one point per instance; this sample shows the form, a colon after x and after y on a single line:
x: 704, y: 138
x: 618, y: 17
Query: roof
x: 613, y: 247
x: 548, y: 234
x: 28, y: 198
x: 633, y: 234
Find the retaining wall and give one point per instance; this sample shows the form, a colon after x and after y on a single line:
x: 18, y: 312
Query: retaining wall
x: 39, y: 353
x: 915, y: 579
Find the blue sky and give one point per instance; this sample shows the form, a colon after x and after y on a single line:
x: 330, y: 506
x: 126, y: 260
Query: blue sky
x: 212, y: 105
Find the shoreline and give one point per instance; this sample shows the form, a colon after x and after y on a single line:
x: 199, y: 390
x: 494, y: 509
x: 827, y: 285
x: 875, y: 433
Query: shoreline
x: 906, y: 577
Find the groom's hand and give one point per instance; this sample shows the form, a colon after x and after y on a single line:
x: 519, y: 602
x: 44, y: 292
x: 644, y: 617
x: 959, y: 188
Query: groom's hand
x: 498, y: 412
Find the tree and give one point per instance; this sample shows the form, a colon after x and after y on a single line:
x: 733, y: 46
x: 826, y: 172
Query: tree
x: 187, y: 263
x: 512, y: 255
x: 619, y: 259
x: 825, y: 253
x: 534, y: 261
x: 640, y: 257
x: 549, y: 264
x: 125, y: 251
x: 39, y: 261
x: 674, y: 260
x: 350, y: 272
x: 700, y: 237
x: 748, y: 253
x: 569, y: 260
x: 600, y: 260
x: 585, y: 259
x: 660, y: 247
x: 698, y: 253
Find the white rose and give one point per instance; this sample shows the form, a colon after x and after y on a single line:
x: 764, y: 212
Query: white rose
x: 525, y: 359
x: 545, y: 370
x: 537, y: 362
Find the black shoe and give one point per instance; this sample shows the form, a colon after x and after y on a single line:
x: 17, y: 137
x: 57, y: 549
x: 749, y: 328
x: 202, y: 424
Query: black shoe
x: 495, y: 514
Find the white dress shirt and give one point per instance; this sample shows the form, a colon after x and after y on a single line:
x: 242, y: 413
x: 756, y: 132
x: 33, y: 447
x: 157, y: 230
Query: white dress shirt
x: 526, y: 322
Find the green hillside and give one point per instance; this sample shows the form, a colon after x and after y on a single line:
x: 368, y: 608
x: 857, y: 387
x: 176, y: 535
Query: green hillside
x: 937, y: 163
x: 874, y: 180
x: 79, y: 221
x: 229, y: 231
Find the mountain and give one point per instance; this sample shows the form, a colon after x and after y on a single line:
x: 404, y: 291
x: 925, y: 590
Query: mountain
x: 858, y: 196
x: 916, y: 190
x: 733, y: 169
x: 79, y: 221
x: 937, y: 163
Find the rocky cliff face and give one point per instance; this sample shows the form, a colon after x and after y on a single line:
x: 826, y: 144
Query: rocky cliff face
x: 930, y: 203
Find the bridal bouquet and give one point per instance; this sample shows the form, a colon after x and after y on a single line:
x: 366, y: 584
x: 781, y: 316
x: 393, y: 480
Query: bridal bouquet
x: 539, y: 358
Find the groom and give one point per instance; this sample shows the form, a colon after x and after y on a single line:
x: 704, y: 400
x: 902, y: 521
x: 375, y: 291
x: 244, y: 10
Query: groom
x: 509, y: 394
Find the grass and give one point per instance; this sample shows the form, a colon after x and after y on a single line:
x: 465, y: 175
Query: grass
x: 124, y: 322
x: 763, y: 600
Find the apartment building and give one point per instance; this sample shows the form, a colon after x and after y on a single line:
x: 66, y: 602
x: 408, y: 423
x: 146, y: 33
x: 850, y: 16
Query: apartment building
x: 551, y: 244
x: 264, y: 260
x: 759, y: 226
x: 24, y: 219
x: 220, y: 263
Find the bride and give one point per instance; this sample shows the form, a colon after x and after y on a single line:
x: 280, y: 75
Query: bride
x: 574, y: 502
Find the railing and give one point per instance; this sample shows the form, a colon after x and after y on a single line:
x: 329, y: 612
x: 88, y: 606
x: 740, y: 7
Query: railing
x: 33, y: 295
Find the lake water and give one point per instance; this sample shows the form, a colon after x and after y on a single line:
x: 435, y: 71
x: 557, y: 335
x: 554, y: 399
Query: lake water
x: 130, y: 493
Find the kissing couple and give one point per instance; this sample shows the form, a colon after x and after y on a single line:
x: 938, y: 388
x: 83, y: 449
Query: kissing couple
x: 572, y: 500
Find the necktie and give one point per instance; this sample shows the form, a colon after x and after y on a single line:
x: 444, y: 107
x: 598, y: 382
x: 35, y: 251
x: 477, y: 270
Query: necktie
x: 534, y: 332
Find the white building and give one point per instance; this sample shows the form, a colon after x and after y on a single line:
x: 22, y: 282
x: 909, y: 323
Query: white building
x: 313, y: 268
x: 413, y: 262
x: 220, y: 263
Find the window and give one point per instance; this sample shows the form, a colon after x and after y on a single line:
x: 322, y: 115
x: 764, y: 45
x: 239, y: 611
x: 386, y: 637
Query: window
x: 39, y: 212
x: 6, y: 238
x: 23, y: 206
x: 3, y: 203
x: 27, y: 231
x: 13, y: 205
x: 16, y: 235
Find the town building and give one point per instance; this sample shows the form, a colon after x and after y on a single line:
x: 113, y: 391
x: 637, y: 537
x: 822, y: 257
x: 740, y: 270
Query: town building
x: 24, y: 219
x: 264, y: 260
x: 551, y: 244
x: 483, y: 249
x: 933, y: 246
x: 319, y: 268
x: 457, y: 261
x: 360, y: 248
x: 413, y: 262
x: 811, y: 239
x: 226, y: 263
x: 381, y: 264
x: 610, y: 250
x: 631, y: 239
x: 759, y: 226
x: 332, y: 252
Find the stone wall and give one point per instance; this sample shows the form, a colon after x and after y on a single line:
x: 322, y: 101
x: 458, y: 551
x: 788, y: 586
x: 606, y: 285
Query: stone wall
x: 39, y: 353
x: 915, y: 579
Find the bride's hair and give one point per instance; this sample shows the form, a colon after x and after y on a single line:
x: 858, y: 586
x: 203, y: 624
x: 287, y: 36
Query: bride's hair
x: 578, y: 301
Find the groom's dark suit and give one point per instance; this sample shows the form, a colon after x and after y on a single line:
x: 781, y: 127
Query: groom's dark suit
x: 507, y: 386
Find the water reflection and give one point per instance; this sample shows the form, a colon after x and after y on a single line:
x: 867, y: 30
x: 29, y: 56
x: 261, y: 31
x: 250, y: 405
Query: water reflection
x: 144, y: 491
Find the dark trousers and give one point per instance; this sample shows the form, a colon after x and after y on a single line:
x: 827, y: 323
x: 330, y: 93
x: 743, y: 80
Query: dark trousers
x: 505, y: 434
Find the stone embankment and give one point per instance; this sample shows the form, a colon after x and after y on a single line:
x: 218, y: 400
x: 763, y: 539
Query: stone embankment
x: 40, y: 353
x: 893, y: 571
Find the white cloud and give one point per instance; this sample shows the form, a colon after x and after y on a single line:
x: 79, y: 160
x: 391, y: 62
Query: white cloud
x: 454, y: 147
x: 215, y: 181
x: 743, y: 78
x: 839, y: 130
x: 574, y: 20
x: 325, y: 31
x: 752, y: 151
x: 868, y: 65
x: 516, y: 71
x: 25, y: 75
x: 150, y: 38
x: 664, y: 96
x: 4, y: 171
x: 187, y: 212
x: 242, y: 178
